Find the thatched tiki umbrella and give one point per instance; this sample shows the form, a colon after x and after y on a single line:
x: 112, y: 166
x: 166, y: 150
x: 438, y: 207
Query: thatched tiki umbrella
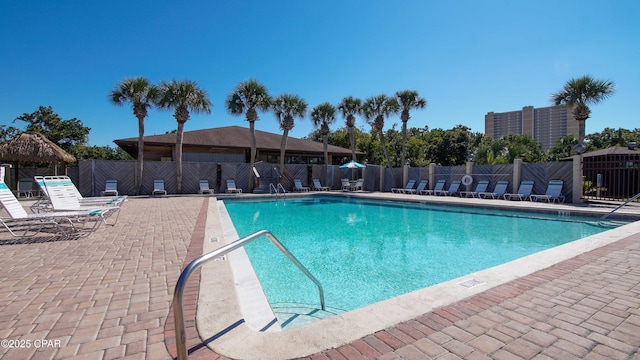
x: 32, y: 146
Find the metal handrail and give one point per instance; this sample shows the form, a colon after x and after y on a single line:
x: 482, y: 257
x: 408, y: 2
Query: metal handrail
x: 276, y: 189
x: 619, y: 206
x: 178, y: 296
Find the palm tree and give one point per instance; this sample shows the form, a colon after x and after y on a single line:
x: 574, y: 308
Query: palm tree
x: 350, y: 107
x: 184, y: 96
x: 246, y: 98
x: 408, y: 99
x: 374, y: 110
x: 577, y: 93
x: 287, y: 107
x: 322, y: 116
x: 142, y: 95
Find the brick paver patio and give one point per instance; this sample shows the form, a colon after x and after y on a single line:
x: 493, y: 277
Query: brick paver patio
x: 108, y: 296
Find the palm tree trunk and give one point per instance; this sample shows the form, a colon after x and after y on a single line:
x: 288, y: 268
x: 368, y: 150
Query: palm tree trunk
x: 386, y: 155
x: 352, y: 140
x: 325, y: 144
x: 581, y: 129
x: 138, y: 179
x: 404, y: 142
x: 283, y: 145
x: 252, y: 161
x: 179, y: 156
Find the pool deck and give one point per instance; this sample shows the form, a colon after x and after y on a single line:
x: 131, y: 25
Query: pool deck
x: 108, y: 296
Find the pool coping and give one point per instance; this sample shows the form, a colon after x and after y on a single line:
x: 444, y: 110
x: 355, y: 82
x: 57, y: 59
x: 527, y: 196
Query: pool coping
x: 233, y: 325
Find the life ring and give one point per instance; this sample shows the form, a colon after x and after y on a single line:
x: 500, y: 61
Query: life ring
x: 467, y: 180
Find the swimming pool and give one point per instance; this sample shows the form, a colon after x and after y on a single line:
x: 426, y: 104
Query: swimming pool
x: 365, y: 251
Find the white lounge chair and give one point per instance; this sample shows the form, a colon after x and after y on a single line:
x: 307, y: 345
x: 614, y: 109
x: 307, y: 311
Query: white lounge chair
x: 553, y: 193
x: 481, y: 187
x: 231, y: 187
x: 70, y: 187
x: 297, y: 186
x: 439, y: 187
x: 44, y: 204
x: 524, y: 191
x: 453, y: 189
x: 204, y: 187
x: 158, y: 188
x: 408, y: 188
x: 317, y: 186
x: 498, y: 191
x: 110, y: 188
x: 21, y: 224
x: 63, y: 198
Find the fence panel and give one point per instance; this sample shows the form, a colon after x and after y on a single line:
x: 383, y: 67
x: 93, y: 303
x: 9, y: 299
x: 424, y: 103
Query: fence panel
x: 541, y: 174
x: 91, y: 175
x: 611, y: 177
x: 493, y: 174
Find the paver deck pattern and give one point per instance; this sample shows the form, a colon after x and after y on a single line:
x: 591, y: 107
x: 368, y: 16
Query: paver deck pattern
x: 108, y: 296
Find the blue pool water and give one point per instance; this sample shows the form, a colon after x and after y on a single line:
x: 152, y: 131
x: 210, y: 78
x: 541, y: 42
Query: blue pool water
x: 365, y: 251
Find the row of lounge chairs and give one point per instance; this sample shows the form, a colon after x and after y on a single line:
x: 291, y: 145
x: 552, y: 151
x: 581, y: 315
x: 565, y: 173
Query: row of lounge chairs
x: 61, y: 209
x: 317, y: 186
x: 553, y: 193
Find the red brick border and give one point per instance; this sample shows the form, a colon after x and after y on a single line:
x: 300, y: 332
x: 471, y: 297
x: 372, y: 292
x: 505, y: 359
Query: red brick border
x: 197, y: 350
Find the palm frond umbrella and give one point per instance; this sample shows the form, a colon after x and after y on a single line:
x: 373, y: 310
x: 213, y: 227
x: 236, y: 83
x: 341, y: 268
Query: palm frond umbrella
x: 33, y: 146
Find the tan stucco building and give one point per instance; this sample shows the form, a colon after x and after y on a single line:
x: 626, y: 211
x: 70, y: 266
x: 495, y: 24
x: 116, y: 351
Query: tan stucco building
x: 545, y: 125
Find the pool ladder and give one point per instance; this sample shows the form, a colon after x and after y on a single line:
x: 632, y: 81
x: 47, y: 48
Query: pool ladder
x: 618, y: 207
x: 275, y: 189
x: 178, y: 295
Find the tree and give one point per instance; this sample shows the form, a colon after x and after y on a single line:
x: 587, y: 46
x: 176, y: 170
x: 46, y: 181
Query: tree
x: 450, y: 147
x: 408, y: 99
x: 374, y: 110
x: 563, y: 147
x: 287, y: 107
x: 350, y: 107
x: 101, y: 153
x: 248, y: 97
x: 141, y: 95
x: 322, y: 116
x: 611, y: 137
x: 8, y: 132
x: 65, y: 133
x: 184, y: 96
x: 578, y: 93
x: 523, y: 147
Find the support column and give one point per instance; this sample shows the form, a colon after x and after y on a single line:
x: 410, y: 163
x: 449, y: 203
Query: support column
x: 576, y: 197
x: 469, y: 171
x: 432, y: 175
x: 517, y: 173
x: 405, y: 174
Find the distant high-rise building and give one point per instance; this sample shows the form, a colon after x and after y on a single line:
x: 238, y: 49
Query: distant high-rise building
x: 545, y: 125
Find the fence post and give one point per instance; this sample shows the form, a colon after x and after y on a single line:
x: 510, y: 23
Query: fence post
x: 432, y: 175
x: 577, y: 179
x: 517, y: 174
x: 469, y: 171
x: 405, y: 174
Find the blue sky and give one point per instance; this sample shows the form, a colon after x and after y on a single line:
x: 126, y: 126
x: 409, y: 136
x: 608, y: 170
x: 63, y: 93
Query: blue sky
x: 465, y: 57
